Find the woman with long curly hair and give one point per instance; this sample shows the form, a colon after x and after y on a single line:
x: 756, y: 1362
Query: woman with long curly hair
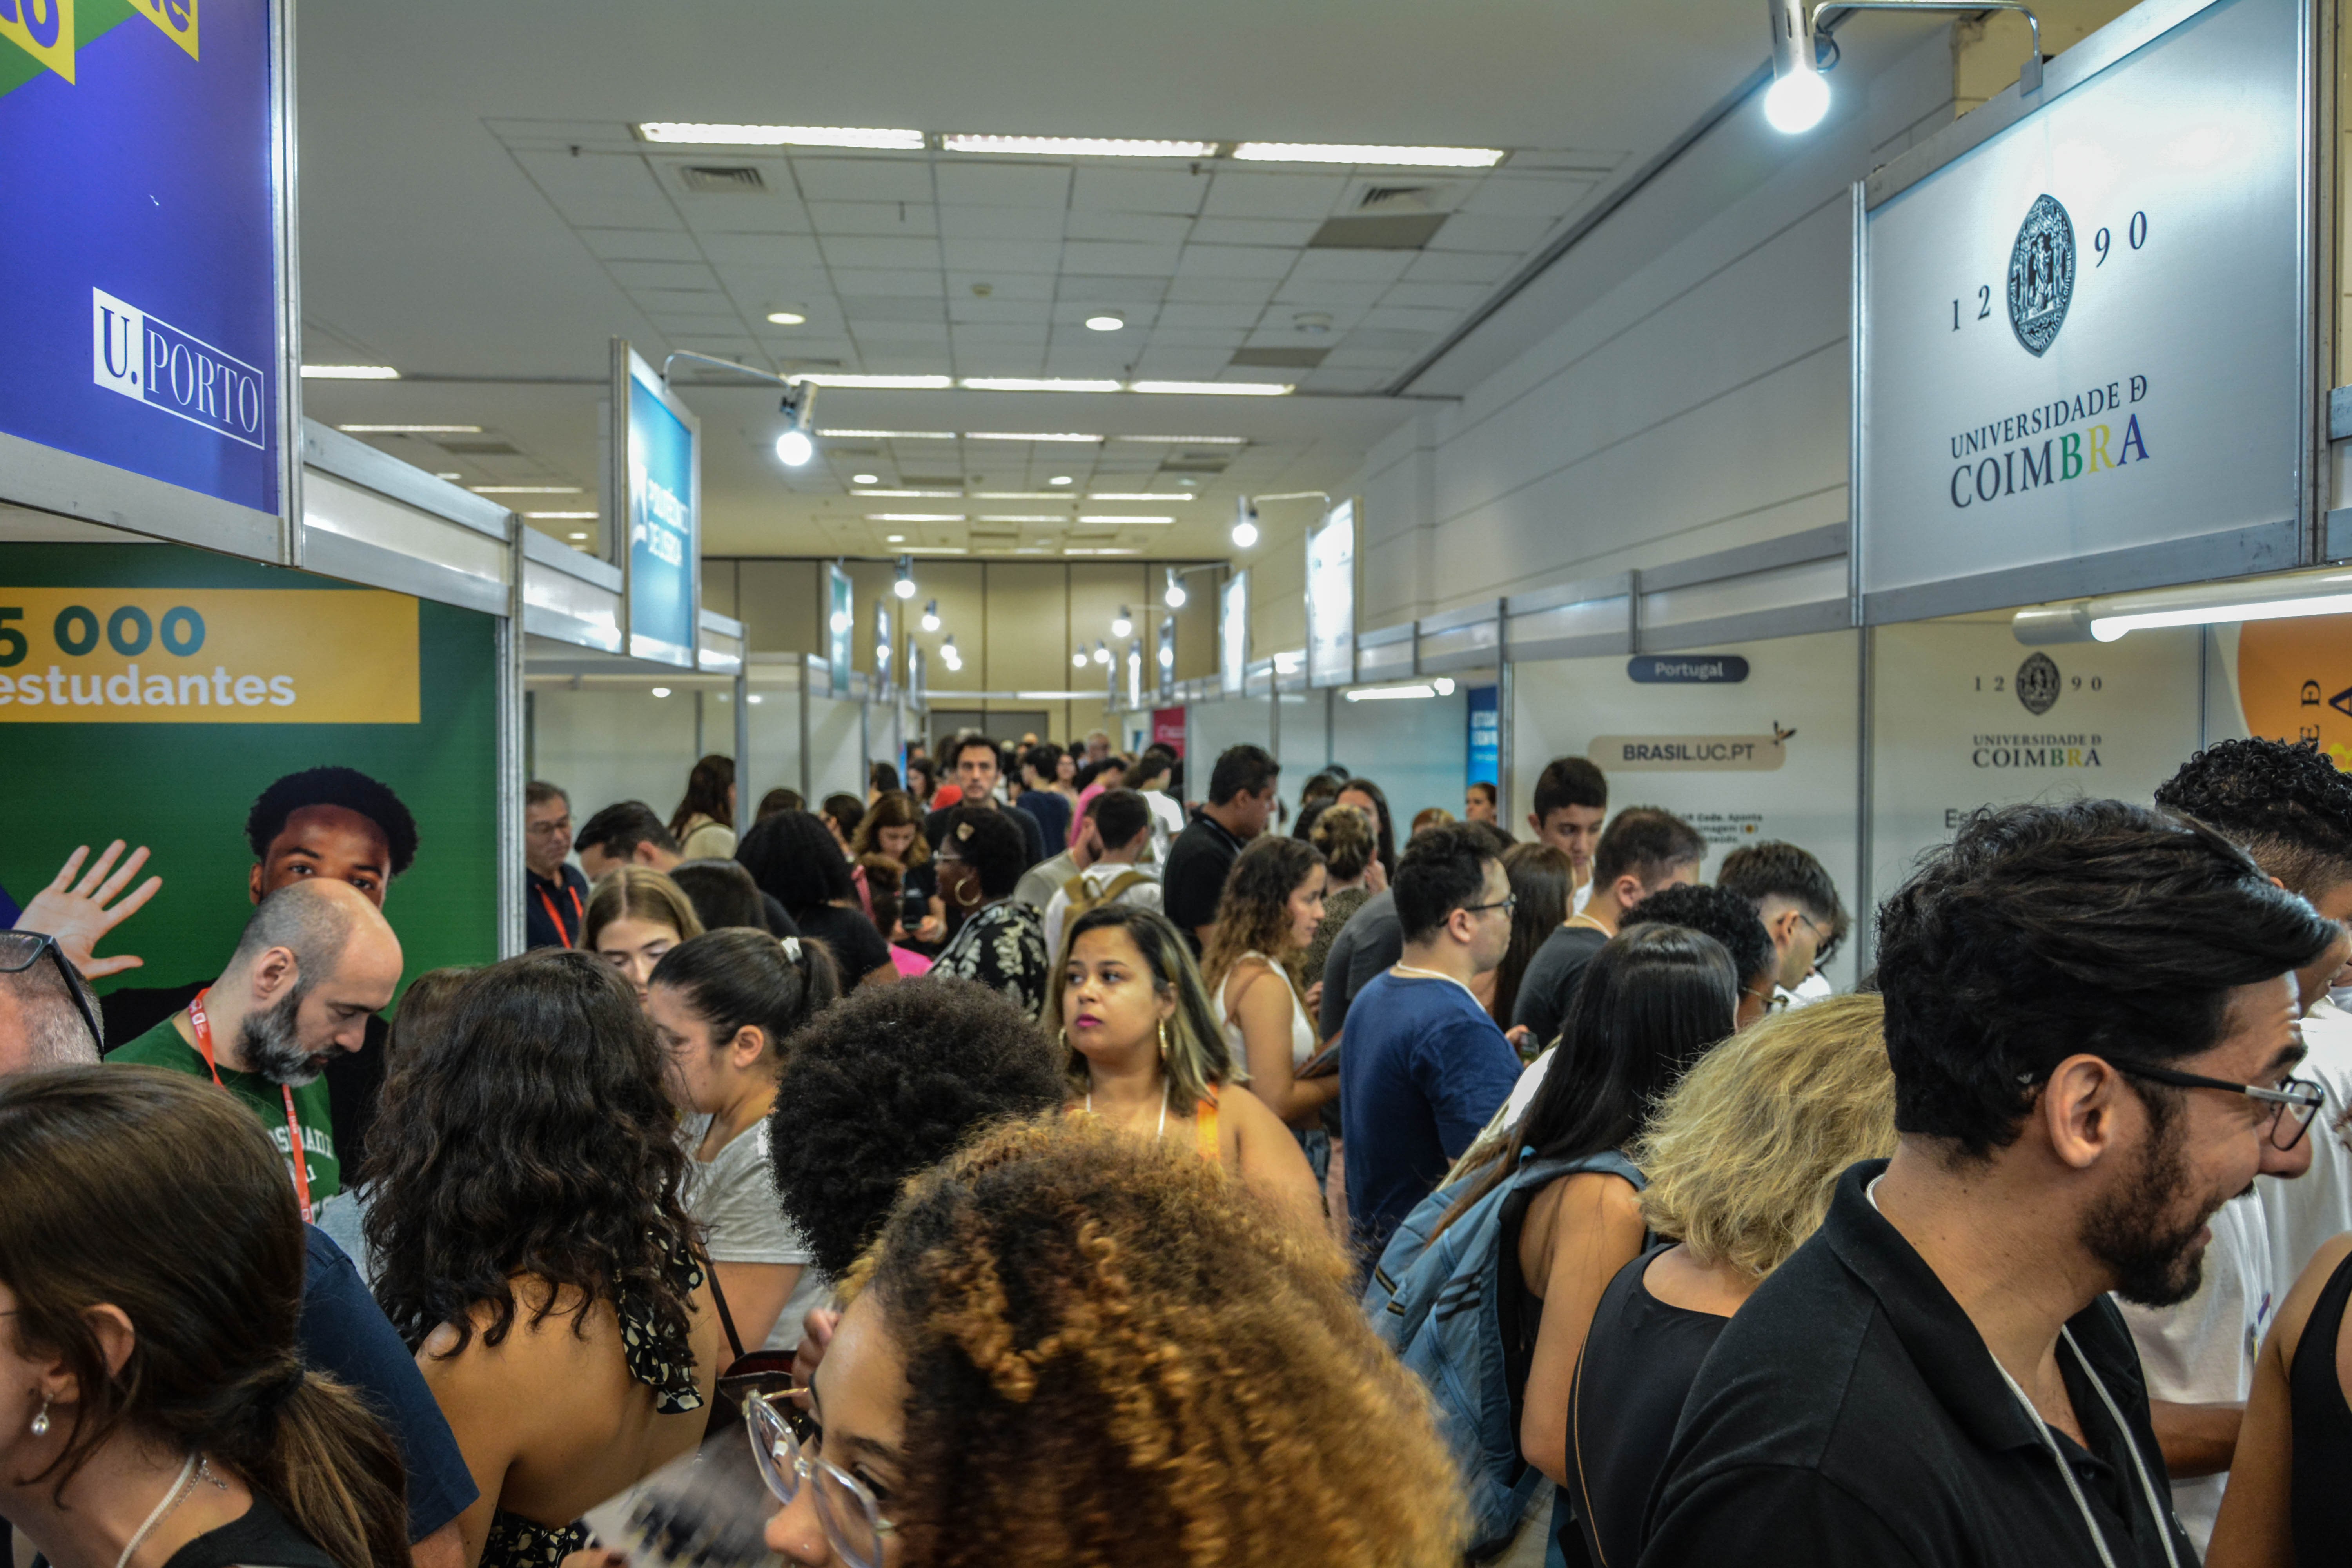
x: 1271, y: 904
x: 533, y: 1250
x: 151, y: 1265
x: 1071, y: 1348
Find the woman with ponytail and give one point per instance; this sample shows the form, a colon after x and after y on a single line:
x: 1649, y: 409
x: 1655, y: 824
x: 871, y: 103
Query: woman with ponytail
x: 532, y: 1250
x: 154, y: 1404
x: 723, y: 1005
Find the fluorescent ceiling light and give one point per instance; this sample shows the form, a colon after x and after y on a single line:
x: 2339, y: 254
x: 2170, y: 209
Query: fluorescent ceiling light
x: 888, y: 435
x: 1077, y: 550
x: 1009, y: 517
x: 1187, y: 440
x: 448, y: 476
x: 1390, y: 157
x: 705, y: 135
x: 1139, y: 495
x: 787, y: 318
x: 560, y: 516
x: 1029, y: 435
x: 1019, y: 495
x: 1034, y: 384
x: 349, y: 373
x: 895, y: 539
x: 525, y: 490
x: 576, y: 534
x: 1059, y: 479
x: 411, y: 429
x: 2327, y: 592
x: 877, y: 383
x: 1441, y: 687
x: 1079, y: 146
x: 865, y: 478
x: 914, y: 517
x: 935, y: 550
x: 1105, y: 518
x: 905, y: 495
x: 1214, y: 388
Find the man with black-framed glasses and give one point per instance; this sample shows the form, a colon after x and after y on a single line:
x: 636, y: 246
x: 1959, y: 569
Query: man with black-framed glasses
x: 47, y: 1016
x: 2079, y: 998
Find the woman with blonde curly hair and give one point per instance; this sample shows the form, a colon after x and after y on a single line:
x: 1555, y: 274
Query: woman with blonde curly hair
x: 1072, y: 1348
x: 1742, y: 1158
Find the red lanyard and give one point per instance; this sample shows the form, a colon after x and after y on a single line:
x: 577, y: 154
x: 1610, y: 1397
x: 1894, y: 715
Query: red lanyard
x: 563, y: 932
x: 202, y: 1029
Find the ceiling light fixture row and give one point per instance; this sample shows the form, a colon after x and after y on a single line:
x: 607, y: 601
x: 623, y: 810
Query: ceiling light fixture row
x: 694, y: 133
x: 1046, y: 384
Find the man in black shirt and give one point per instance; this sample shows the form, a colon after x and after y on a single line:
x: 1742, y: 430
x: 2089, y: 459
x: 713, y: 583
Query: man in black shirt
x: 974, y: 762
x: 1643, y: 850
x: 555, y: 895
x: 2090, y: 1013
x: 628, y: 833
x: 1241, y: 802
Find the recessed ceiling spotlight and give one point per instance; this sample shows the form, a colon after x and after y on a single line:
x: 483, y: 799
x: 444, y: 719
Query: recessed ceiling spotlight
x: 865, y: 478
x: 705, y: 135
x: 661, y: 691
x: 1313, y: 322
x: 788, y: 318
x: 893, y: 539
x: 575, y: 535
x: 1059, y: 479
x: 1109, y: 322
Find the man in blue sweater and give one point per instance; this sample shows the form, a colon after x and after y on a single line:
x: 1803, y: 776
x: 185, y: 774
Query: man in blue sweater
x: 1423, y: 1067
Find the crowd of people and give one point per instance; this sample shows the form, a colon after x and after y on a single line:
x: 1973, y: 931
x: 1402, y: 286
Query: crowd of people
x: 1033, y: 1170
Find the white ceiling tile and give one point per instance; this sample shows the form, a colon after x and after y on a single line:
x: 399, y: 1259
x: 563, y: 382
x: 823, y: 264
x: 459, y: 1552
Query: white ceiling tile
x: 586, y: 211
x: 914, y: 282
x: 1352, y: 266
x: 662, y: 275
x: 972, y: 183
x: 1458, y: 266
x: 1183, y: 364
x: 1000, y: 223
x: 1001, y: 334
x: 1310, y: 294
x: 1436, y: 296
x: 1117, y: 259
x: 1118, y: 293
x: 1138, y: 189
x: 1515, y: 235
x: 1153, y: 227
x: 1501, y: 196
x: 851, y: 254
x: 906, y: 178
x: 640, y: 245
x: 1289, y: 232
x: 900, y: 334
x: 1395, y: 318
x: 1205, y: 289
x: 1232, y: 318
x: 1002, y: 289
x: 1029, y: 315
x: 1328, y: 378
x: 561, y: 176
x: 862, y: 309
x: 986, y: 258
x: 1366, y: 359
x: 1225, y: 338
x: 893, y: 218
x: 1236, y: 194
x: 763, y: 250
x: 809, y: 291
x: 1234, y: 261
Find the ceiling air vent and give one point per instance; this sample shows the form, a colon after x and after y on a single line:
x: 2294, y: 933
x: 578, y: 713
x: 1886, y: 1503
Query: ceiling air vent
x: 1378, y: 231
x: 480, y: 448
x: 1398, y: 199
x: 1279, y: 358
x: 723, y: 179
x: 1190, y: 464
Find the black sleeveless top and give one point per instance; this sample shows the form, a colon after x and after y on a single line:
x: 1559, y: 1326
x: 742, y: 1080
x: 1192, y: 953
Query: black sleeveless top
x: 1639, y: 1362
x: 2323, y: 1432
x: 260, y: 1535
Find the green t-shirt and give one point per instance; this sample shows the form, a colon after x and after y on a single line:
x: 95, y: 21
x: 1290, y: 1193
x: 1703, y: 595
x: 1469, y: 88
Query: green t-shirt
x: 162, y: 1046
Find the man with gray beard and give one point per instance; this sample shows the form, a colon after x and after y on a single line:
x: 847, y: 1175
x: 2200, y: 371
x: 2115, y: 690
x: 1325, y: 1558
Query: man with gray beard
x: 316, y: 961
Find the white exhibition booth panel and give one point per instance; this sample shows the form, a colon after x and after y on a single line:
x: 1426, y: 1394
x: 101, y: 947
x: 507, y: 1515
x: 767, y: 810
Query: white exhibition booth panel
x: 1416, y: 750
x: 1214, y: 727
x: 1768, y: 756
x: 1964, y: 717
x: 602, y: 744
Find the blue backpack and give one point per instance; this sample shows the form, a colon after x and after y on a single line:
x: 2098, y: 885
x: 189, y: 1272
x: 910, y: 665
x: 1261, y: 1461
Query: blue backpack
x: 1441, y: 1307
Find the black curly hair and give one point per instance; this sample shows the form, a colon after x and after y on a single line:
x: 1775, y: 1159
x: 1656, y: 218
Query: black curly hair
x: 989, y: 841
x: 2284, y: 803
x: 2045, y: 932
x: 1718, y: 913
x: 886, y: 1083
x: 532, y: 1134
x: 795, y: 858
x: 347, y: 787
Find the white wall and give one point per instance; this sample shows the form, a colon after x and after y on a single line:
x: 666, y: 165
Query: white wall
x: 604, y: 745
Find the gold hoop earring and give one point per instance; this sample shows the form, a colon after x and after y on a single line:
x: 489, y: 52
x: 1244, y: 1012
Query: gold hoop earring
x: 1163, y: 1039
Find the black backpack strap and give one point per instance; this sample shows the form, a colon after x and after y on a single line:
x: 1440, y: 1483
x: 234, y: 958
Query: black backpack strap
x: 726, y: 1318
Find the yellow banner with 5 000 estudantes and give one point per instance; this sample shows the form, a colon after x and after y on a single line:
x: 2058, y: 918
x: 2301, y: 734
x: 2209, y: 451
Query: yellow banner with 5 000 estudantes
x: 207, y: 656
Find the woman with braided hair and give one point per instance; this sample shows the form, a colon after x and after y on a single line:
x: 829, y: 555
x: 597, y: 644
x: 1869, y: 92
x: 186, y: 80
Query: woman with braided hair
x: 1075, y: 1348
x: 153, y: 1405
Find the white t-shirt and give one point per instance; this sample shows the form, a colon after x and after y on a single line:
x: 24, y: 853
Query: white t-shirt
x: 1167, y: 821
x: 2305, y: 1212
x: 1811, y: 989
x: 2202, y: 1352
x: 1144, y: 894
x: 1579, y: 898
x: 732, y: 1196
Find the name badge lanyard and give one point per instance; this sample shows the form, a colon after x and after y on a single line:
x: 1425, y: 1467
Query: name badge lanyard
x: 202, y: 1028
x: 562, y: 931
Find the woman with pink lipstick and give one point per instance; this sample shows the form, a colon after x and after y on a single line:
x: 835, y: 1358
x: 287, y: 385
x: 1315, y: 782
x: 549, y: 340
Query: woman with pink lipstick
x: 1147, y: 1057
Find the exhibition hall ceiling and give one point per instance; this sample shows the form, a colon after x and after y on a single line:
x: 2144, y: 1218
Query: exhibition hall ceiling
x: 481, y: 213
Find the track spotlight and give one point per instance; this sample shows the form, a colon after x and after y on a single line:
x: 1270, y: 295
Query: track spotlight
x: 1122, y: 624
x: 1102, y: 652
x: 794, y: 448
x: 1245, y: 524
x: 905, y: 586
x: 1798, y: 96
x: 932, y: 615
x: 1174, y: 597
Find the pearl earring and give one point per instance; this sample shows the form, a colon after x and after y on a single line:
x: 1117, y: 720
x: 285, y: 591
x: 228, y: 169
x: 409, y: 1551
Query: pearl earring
x: 41, y: 1420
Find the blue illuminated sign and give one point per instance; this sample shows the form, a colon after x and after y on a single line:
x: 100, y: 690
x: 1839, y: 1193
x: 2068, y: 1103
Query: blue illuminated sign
x: 1486, y: 759
x: 138, y: 240
x: 663, y: 499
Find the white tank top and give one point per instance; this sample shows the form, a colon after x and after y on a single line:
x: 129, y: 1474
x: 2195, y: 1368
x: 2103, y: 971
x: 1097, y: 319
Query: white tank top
x: 1302, y: 1032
